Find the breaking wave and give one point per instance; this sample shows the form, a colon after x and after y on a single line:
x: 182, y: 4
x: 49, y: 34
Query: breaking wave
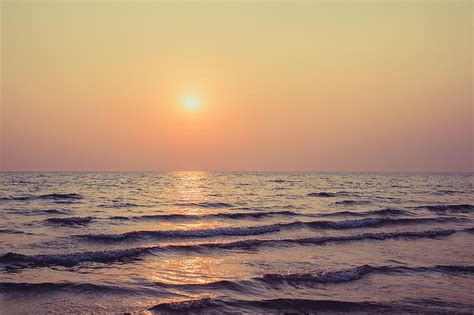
x: 352, y: 274
x: 257, y: 230
x: 15, y: 260
x: 235, y: 231
x: 236, y: 215
x: 248, y: 244
x: 375, y: 222
x: 314, y: 278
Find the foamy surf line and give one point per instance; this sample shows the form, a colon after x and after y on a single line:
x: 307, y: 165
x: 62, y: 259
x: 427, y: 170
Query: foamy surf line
x: 19, y: 261
x: 259, y: 230
x: 229, y: 215
x: 326, y: 276
x: 316, y: 277
x: 224, y: 215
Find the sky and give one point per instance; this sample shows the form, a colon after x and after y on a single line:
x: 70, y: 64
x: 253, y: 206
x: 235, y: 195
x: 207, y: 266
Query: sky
x: 291, y: 86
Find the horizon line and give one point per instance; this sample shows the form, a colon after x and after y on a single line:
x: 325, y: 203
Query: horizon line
x: 239, y: 171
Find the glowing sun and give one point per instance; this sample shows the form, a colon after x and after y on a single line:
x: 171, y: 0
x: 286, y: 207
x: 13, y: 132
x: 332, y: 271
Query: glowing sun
x: 191, y: 102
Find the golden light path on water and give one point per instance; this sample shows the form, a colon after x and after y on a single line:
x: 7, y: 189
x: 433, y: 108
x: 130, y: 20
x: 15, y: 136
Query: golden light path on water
x: 190, y: 188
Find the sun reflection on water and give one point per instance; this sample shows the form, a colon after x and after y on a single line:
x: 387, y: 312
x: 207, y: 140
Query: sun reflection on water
x: 187, y: 270
x: 192, y: 188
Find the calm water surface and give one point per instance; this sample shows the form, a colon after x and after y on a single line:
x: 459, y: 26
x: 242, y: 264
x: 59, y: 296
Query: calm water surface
x: 236, y: 242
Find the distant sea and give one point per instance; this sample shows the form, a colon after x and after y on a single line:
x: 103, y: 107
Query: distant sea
x: 236, y: 242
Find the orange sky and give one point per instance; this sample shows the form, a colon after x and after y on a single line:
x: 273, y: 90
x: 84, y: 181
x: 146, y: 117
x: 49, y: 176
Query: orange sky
x: 350, y: 86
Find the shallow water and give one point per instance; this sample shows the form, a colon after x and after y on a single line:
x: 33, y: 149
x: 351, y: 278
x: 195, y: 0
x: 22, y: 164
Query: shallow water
x: 236, y: 242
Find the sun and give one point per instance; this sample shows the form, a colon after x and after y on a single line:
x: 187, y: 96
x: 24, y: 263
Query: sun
x: 191, y: 102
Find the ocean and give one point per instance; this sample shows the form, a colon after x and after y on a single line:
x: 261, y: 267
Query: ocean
x: 198, y: 242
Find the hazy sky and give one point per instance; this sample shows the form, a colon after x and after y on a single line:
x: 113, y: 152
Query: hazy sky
x: 322, y: 85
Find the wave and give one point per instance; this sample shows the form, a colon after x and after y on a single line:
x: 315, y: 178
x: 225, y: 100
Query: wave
x: 353, y: 274
x: 33, y: 212
x: 321, y: 277
x: 322, y: 194
x: 18, y: 261
x: 277, y: 181
x: 448, y: 192
x: 317, y: 277
x: 271, y: 208
x: 186, y: 305
x: 55, y: 196
x: 124, y: 205
x: 10, y: 231
x: 283, y: 181
x: 17, y: 198
x: 231, y: 231
x: 271, y: 305
x: 43, y: 287
x: 257, y: 230
x: 470, y: 230
x: 15, y: 260
x: 255, y: 243
x: 376, y: 222
x: 50, y: 211
x: 61, y: 196
x: 205, y: 204
x: 352, y: 202
x: 451, y: 268
x: 72, y: 221
x: 347, y: 275
x: 384, y: 212
x: 248, y: 244
x: 236, y: 215
x: 458, y: 208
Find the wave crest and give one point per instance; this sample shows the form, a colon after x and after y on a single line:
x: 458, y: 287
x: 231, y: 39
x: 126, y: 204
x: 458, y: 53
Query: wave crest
x: 54, y: 196
x: 236, y: 215
x: 261, y: 229
x: 380, y: 212
x: 457, y: 208
x: 15, y: 260
x: 71, y: 221
x: 268, y: 306
x: 206, y: 204
x: 322, y: 194
x: 231, y: 231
